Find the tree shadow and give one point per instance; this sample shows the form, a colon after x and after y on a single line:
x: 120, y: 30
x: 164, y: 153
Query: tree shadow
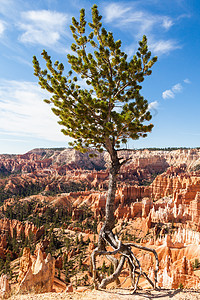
x: 150, y: 294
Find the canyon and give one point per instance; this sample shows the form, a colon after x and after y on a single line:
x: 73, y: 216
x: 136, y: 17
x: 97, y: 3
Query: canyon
x: 53, y: 201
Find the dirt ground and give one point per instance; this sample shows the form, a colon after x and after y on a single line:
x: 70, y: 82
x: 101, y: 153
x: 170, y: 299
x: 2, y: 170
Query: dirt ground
x: 114, y: 294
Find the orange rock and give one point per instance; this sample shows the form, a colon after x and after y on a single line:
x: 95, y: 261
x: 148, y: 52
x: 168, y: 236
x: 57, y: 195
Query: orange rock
x: 25, y: 264
x: 69, y: 289
x: 59, y: 262
x: 91, y: 247
x: 40, y: 276
x: 5, y: 290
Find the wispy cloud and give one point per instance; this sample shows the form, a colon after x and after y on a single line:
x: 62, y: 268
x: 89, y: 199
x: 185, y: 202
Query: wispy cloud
x: 187, y: 81
x: 42, y: 27
x: 167, y: 23
x: 127, y: 13
x: 164, y: 46
x: 168, y: 94
x: 23, y: 113
x: 158, y: 48
x: 177, y: 88
x: 2, y: 27
x: 153, y: 105
x: 115, y: 11
x: 140, y: 21
x: 11, y: 140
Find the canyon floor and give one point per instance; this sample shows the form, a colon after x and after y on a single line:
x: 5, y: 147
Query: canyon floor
x: 114, y: 294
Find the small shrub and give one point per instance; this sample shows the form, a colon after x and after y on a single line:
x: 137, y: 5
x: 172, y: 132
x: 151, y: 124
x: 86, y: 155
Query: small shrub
x: 180, y: 286
x: 196, y: 264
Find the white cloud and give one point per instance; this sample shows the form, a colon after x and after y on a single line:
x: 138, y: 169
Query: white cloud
x: 122, y: 15
x: 177, y: 88
x: 42, y: 27
x: 115, y: 11
x: 23, y: 112
x: 46, y: 18
x: 167, y: 94
x: 162, y: 46
x: 187, y: 81
x: 140, y: 21
x: 2, y: 27
x: 167, y: 23
x: 153, y: 105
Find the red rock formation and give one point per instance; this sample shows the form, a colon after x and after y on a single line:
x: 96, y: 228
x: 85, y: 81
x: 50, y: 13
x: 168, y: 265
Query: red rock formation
x: 5, y: 290
x: 172, y: 277
x: 173, y: 197
x: 15, y: 229
x: 45, y: 164
x: 25, y: 264
x: 40, y: 276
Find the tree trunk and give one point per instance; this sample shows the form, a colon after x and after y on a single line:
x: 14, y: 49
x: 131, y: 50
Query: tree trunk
x: 110, y: 201
x: 106, y: 236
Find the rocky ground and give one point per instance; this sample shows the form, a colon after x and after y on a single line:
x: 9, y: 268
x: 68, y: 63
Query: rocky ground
x: 114, y: 294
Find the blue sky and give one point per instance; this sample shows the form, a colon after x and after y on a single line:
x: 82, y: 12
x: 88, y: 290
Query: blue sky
x: 173, y: 31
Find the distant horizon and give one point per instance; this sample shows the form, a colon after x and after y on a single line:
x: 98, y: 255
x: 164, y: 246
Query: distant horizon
x: 131, y: 149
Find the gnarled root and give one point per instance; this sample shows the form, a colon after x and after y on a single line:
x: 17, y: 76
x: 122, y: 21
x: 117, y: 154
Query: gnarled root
x: 115, y: 263
x: 125, y: 250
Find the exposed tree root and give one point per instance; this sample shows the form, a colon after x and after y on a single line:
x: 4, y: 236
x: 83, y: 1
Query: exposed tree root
x: 107, y: 238
x: 125, y: 250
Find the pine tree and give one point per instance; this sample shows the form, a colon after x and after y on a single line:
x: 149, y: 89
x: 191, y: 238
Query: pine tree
x: 110, y: 269
x: 106, y: 114
x: 77, y: 240
x: 67, y: 279
x: 103, y: 269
